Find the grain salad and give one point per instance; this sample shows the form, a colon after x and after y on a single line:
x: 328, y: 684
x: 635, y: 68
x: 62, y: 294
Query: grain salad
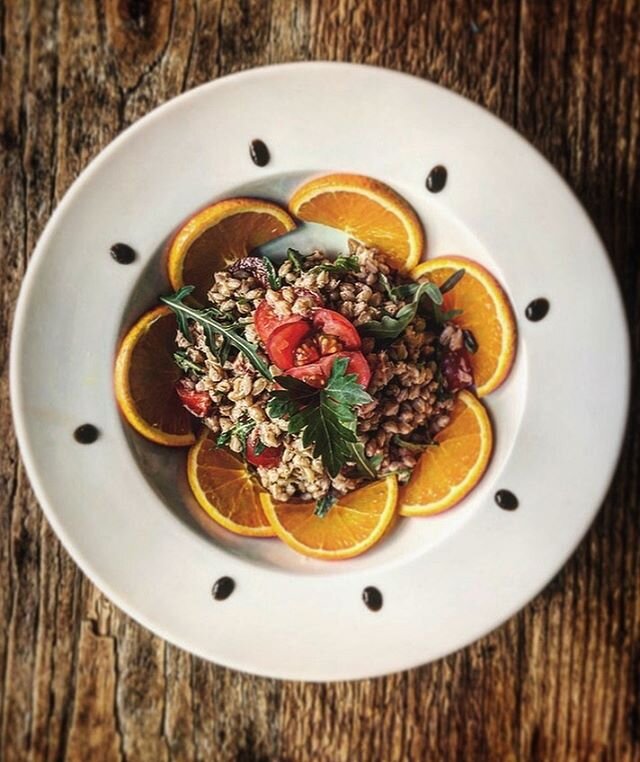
x: 321, y: 374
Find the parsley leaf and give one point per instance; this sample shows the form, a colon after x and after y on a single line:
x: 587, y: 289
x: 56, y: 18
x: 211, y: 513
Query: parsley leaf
x: 213, y: 328
x: 326, y: 417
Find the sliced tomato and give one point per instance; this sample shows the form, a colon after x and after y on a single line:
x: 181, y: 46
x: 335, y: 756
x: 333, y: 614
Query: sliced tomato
x: 307, y: 352
x: 269, y: 457
x: 335, y: 324
x: 317, y: 373
x: 312, y: 374
x: 197, y: 403
x: 266, y: 320
x: 357, y: 364
x: 285, y: 339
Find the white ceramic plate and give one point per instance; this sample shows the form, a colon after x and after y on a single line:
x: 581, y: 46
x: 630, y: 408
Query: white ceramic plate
x: 118, y: 505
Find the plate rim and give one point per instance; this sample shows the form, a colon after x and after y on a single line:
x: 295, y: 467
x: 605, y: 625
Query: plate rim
x: 21, y: 315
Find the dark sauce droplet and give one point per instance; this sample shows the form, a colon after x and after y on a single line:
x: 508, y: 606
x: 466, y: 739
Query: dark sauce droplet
x: 122, y: 253
x: 86, y: 434
x: 222, y: 588
x: 537, y: 309
x: 259, y: 153
x: 372, y: 598
x: 437, y: 179
x: 506, y: 500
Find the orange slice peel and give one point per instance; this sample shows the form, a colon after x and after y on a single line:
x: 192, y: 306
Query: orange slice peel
x: 354, y: 524
x: 367, y: 210
x: 218, y: 235
x: 486, y: 312
x: 225, y: 490
x: 144, y: 379
x: 445, y: 474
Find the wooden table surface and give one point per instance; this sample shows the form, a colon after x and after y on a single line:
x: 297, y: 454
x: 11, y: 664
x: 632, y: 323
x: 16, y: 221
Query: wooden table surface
x: 78, y: 679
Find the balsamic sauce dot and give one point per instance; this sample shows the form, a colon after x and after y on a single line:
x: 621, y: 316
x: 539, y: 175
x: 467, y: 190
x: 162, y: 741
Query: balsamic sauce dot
x: 86, y: 434
x: 122, y: 253
x: 506, y: 500
x: 372, y: 598
x: 537, y: 309
x: 437, y: 179
x: 259, y: 153
x: 222, y: 588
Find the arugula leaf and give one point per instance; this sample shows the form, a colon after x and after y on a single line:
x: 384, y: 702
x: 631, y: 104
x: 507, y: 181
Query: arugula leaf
x: 405, y: 290
x: 259, y: 447
x: 297, y: 260
x: 274, y: 281
x: 241, y: 430
x: 325, y: 503
x: 470, y: 342
x: 183, y: 323
x: 433, y: 292
x: 452, y: 280
x: 340, y: 265
x: 443, y: 316
x: 212, y: 327
x: 366, y: 466
x: 182, y: 360
x: 413, y: 446
x: 391, y: 327
x: 386, y: 284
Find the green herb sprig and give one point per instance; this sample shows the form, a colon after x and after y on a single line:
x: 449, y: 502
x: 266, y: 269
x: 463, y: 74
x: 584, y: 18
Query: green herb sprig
x: 214, y: 327
x: 272, y: 276
x: 388, y: 327
x: 297, y: 260
x: 326, y: 417
x: 413, y: 446
x: 340, y: 265
x: 242, y: 429
x: 183, y: 361
x: 325, y: 503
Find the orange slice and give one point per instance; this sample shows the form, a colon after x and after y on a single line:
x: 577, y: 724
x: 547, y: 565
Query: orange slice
x: 355, y: 523
x: 224, y: 489
x: 145, y: 377
x: 220, y: 234
x: 486, y: 313
x: 445, y: 474
x: 367, y: 210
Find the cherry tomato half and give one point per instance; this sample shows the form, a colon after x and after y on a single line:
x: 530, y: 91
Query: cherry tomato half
x: 335, y: 324
x: 285, y: 339
x: 269, y: 457
x: 317, y: 373
x: 266, y: 320
x: 357, y: 364
x: 311, y: 374
x: 197, y: 403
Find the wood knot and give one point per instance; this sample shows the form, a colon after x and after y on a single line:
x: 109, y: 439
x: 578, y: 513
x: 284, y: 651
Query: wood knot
x: 136, y: 14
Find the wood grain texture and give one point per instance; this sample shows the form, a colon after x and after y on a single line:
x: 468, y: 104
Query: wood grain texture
x: 78, y: 679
